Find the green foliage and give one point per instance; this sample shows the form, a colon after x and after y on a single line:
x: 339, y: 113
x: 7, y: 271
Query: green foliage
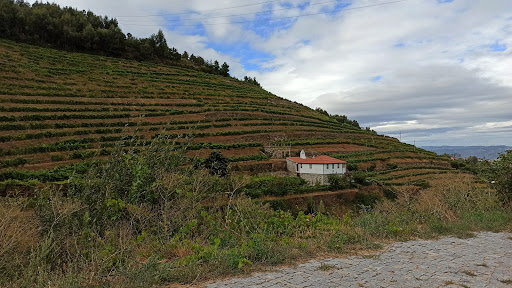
x: 366, y: 200
x: 279, y: 205
x: 15, y: 162
x: 321, y: 111
x: 217, y: 164
x: 13, y: 185
x: 352, y: 166
x: 52, y: 175
x: 390, y: 193
x: 108, y: 224
x: 344, y: 119
x: 500, y: 175
x: 339, y: 118
x: 82, y: 155
x: 392, y: 166
x: 360, y: 178
x: 371, y: 168
x: 278, y: 186
x: 257, y: 157
x: 251, y: 80
x: 338, y: 182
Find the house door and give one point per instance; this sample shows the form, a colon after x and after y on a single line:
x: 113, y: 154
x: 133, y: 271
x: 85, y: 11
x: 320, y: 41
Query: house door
x: 298, y: 174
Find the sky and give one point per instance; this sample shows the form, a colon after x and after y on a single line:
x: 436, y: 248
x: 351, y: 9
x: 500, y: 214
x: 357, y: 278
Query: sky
x: 429, y: 72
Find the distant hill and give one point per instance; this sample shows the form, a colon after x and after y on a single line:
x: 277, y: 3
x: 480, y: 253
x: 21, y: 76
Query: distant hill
x: 60, y: 110
x: 482, y: 152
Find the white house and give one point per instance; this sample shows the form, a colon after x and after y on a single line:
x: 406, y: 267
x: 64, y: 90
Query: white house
x: 315, y: 170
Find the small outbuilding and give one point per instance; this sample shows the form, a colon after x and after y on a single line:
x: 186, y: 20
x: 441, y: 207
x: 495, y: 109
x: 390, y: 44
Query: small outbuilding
x: 277, y: 151
x: 315, y: 170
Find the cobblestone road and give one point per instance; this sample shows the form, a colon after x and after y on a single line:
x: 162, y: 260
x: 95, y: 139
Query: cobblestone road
x: 481, y: 261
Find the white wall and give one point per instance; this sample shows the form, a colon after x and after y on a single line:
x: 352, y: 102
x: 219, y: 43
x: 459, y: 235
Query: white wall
x: 322, y: 168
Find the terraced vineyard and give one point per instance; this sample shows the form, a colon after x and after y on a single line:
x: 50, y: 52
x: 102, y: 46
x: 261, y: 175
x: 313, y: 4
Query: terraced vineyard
x: 60, y: 110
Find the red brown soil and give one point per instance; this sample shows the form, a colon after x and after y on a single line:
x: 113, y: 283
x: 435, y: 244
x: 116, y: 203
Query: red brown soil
x: 226, y: 152
x: 322, y: 193
x: 104, y: 100
x: 333, y: 148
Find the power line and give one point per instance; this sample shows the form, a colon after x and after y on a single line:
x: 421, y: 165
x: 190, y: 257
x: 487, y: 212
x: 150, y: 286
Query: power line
x: 196, y: 12
x: 244, y: 14
x: 279, y: 18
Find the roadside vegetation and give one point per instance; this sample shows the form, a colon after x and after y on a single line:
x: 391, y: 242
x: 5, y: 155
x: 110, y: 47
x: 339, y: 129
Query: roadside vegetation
x: 147, y: 216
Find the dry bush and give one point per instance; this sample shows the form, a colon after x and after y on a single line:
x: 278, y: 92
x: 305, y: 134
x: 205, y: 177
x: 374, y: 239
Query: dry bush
x: 18, y: 233
x: 449, y: 197
x: 453, y: 204
x: 456, y: 194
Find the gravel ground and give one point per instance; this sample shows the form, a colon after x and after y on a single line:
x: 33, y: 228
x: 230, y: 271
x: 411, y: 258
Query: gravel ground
x: 481, y: 261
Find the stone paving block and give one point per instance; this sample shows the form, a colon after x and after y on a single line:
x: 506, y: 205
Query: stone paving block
x: 480, y: 261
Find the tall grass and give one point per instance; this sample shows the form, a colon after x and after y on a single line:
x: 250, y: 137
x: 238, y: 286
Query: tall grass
x: 448, y: 207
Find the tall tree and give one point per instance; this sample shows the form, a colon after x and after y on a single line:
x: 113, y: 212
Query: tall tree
x: 224, y: 69
x: 159, y: 44
x: 216, y: 67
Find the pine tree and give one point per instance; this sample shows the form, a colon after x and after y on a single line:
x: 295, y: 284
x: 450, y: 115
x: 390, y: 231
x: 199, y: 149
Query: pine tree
x: 224, y: 70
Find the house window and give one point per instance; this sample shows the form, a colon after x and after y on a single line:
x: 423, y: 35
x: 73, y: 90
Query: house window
x: 310, y: 166
x: 327, y: 166
x: 300, y: 166
x: 338, y: 165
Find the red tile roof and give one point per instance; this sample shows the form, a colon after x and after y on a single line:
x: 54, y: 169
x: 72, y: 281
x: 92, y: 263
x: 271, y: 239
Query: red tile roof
x: 317, y: 160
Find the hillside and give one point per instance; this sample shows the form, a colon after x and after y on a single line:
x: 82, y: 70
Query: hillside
x: 60, y: 109
x: 482, y: 152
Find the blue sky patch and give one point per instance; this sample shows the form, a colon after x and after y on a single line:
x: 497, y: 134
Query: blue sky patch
x: 173, y: 23
x: 399, y: 45
x: 286, y: 5
x: 376, y: 78
x: 251, y: 59
x: 338, y: 7
x: 263, y: 25
x: 444, y: 1
x: 497, y: 47
x: 303, y: 6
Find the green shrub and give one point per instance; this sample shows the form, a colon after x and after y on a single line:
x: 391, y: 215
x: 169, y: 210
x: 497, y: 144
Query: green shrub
x: 217, y: 164
x: 389, y: 192
x: 57, y: 158
x: 275, y: 186
x: 18, y: 161
x: 352, y: 167
x: 372, y: 167
x: 500, y: 175
x: 338, y: 182
x: 360, y: 178
x: 366, y: 199
x: 391, y: 166
x: 276, y: 205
